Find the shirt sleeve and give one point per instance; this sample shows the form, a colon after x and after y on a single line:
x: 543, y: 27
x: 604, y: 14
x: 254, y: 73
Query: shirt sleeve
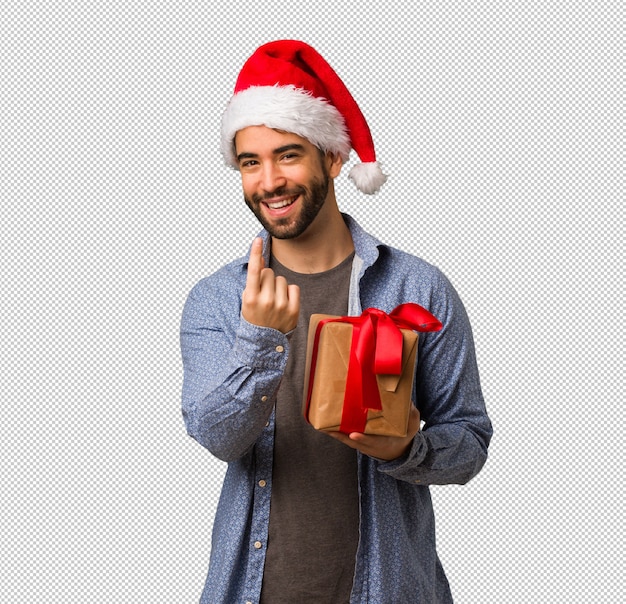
x: 452, y: 447
x: 232, y: 370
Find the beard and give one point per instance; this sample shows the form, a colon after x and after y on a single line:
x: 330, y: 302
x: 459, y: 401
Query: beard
x: 312, y: 198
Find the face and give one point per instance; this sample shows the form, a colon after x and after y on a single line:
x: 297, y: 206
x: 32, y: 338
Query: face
x: 285, y: 179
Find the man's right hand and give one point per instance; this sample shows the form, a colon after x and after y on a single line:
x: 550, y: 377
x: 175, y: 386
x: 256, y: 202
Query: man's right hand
x: 268, y: 301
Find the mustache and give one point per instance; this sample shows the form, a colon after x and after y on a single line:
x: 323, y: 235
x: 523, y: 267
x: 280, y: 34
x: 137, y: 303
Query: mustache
x: 280, y: 192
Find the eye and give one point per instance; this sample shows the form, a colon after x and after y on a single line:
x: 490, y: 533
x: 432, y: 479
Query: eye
x: 248, y: 163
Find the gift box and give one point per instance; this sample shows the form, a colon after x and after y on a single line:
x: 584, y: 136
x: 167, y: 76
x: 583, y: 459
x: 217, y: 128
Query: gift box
x: 360, y: 370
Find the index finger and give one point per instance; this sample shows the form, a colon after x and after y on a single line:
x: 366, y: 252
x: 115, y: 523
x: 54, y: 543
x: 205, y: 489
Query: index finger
x: 255, y: 265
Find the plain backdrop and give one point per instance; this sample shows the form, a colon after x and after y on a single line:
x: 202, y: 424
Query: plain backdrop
x: 501, y: 126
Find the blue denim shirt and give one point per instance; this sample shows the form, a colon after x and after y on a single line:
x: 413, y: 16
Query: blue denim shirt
x: 232, y: 371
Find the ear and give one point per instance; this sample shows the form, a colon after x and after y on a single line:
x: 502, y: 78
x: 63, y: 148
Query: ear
x: 334, y: 163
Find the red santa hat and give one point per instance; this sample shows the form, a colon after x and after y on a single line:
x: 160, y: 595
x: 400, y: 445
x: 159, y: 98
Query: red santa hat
x: 289, y: 86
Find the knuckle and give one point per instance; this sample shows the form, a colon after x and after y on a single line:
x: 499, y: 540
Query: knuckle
x: 249, y: 296
x: 267, y: 273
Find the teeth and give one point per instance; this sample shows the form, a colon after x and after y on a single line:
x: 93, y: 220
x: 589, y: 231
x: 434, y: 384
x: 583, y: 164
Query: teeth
x: 281, y: 204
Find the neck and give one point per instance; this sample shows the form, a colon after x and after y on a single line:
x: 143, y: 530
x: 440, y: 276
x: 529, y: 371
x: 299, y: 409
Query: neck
x: 325, y: 244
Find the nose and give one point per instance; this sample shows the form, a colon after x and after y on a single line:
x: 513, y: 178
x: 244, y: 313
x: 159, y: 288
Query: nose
x: 272, y: 177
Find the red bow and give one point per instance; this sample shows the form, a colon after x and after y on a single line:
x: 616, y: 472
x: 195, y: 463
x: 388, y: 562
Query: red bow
x: 376, y: 348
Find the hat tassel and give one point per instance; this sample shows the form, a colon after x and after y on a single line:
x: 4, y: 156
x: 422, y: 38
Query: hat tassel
x: 368, y: 177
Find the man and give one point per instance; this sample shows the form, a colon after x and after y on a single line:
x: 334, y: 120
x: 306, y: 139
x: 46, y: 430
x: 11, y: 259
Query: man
x: 306, y: 516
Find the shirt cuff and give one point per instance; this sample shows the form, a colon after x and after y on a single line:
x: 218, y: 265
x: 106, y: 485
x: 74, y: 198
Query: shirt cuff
x: 261, y: 347
x: 398, y: 468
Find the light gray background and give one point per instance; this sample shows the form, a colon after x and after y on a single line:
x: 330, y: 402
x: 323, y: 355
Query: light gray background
x: 501, y: 126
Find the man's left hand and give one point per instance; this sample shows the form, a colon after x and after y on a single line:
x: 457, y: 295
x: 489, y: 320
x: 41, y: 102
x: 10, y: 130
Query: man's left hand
x: 382, y: 447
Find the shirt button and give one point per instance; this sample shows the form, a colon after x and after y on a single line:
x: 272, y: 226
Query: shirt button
x: 262, y: 483
x: 258, y: 545
x: 263, y: 398
x: 280, y: 349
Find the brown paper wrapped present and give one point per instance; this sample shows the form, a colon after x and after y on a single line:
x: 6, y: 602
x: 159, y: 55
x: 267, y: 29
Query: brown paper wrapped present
x: 359, y: 370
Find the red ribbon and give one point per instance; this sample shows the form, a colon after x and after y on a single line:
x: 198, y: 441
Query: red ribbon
x: 376, y: 348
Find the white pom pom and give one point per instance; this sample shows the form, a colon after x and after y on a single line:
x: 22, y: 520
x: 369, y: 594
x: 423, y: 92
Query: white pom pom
x: 368, y: 177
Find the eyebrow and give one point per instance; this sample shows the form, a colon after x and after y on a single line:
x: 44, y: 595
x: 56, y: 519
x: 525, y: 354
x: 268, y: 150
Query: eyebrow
x: 278, y: 151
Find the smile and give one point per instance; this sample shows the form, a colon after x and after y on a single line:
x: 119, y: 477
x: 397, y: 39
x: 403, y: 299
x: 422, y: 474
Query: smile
x: 277, y: 205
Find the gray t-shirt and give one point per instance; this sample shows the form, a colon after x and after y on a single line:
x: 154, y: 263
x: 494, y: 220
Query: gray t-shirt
x: 314, y: 513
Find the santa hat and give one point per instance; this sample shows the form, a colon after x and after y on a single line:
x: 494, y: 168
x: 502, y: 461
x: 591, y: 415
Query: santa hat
x: 289, y: 86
